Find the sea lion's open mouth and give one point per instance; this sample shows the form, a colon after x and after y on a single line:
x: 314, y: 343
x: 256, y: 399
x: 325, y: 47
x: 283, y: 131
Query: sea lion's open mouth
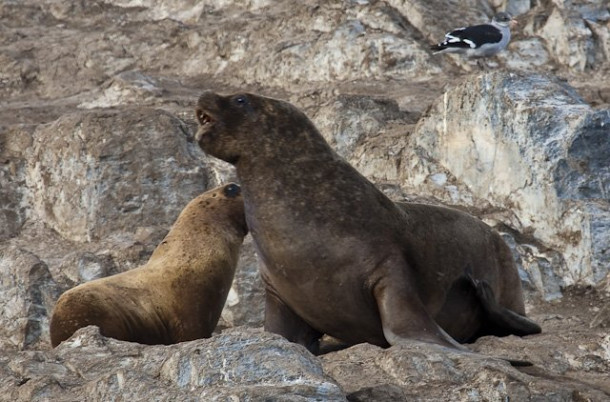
x: 203, y: 118
x: 206, y: 123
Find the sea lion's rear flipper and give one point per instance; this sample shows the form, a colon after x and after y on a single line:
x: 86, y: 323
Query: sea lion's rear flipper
x: 499, y: 320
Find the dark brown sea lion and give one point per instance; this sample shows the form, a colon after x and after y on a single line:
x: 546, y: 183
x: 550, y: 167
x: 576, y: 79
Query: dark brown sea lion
x: 339, y: 257
x: 179, y: 293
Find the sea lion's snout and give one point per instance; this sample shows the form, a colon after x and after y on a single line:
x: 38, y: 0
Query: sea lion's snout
x: 206, y: 123
x: 204, y: 112
x: 225, y: 124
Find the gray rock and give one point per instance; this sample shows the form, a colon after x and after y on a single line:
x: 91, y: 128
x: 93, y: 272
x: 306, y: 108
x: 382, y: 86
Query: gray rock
x: 571, y: 44
x: 553, y: 37
x: 239, y: 364
x: 517, y: 7
x: 351, y: 120
x: 423, y: 372
x: 367, y: 131
x: 245, y: 304
x: 130, y: 87
x: 28, y: 296
x: 94, y: 173
x: 529, y: 145
x: 332, y: 44
x: 13, y: 142
x: 584, y: 174
x: 78, y: 267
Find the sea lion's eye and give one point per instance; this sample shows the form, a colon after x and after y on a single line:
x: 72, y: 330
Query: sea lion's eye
x: 232, y: 190
x: 241, y: 100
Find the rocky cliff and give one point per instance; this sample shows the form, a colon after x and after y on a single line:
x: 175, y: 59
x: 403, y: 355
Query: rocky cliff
x: 96, y: 162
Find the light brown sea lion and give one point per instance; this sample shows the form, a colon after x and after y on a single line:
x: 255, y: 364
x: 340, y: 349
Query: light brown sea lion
x: 339, y: 257
x: 179, y: 293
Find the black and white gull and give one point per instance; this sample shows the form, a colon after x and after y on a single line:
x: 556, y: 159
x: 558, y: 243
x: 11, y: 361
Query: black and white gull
x: 483, y: 40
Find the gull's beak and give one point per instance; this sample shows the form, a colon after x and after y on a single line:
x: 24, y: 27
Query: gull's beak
x: 513, y: 23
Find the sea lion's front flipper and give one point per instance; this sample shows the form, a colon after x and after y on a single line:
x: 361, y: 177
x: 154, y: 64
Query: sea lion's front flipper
x: 499, y: 320
x: 281, y: 320
x: 403, y: 315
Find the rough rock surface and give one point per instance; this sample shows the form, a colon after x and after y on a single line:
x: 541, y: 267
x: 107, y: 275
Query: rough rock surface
x: 571, y: 362
x: 553, y: 182
x: 81, y: 176
x: 96, y: 161
x: 242, y: 364
x: 28, y: 296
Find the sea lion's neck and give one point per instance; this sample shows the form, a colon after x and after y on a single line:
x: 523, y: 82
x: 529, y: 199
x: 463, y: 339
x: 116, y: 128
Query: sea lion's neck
x: 285, y: 154
x: 308, y: 167
x: 293, y: 174
x: 311, y: 184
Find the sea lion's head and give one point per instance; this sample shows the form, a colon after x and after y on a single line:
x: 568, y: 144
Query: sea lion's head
x: 228, y: 200
x: 221, y: 204
x: 219, y: 210
x: 241, y: 125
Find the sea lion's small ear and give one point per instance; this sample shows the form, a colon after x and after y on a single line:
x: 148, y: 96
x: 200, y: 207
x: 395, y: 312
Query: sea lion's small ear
x: 232, y: 190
